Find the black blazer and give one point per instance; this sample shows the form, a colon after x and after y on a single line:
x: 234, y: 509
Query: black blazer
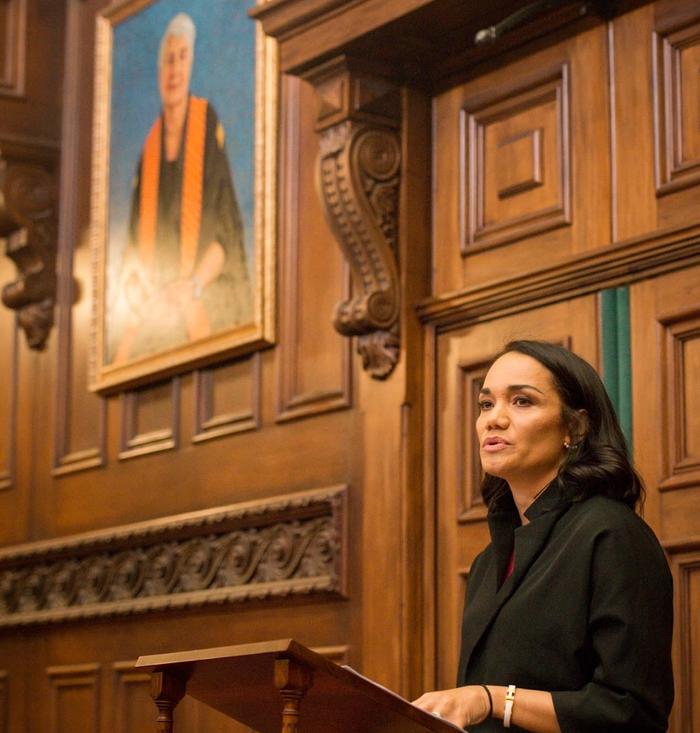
x: 587, y: 614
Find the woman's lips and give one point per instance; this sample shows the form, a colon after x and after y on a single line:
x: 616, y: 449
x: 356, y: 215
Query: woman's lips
x: 494, y: 445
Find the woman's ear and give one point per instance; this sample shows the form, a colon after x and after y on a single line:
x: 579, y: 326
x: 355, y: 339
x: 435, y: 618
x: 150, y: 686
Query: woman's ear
x: 579, y: 426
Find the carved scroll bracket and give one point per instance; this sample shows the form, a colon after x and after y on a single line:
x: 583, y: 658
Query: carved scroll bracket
x: 28, y: 225
x: 359, y: 113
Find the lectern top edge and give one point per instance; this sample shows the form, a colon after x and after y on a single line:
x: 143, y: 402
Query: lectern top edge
x: 151, y: 661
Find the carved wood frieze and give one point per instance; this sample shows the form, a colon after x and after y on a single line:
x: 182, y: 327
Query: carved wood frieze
x: 358, y: 175
x: 28, y: 218
x: 277, y: 547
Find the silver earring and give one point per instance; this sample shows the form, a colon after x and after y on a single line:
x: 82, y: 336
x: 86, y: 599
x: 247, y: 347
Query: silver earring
x: 567, y: 445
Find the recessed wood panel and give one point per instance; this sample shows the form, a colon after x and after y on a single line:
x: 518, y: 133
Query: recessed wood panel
x: 133, y: 709
x: 686, y: 572
x: 677, y: 88
x: 150, y: 419
x: 4, y: 700
x: 681, y: 394
x: 516, y: 160
x: 74, y: 698
x: 471, y: 378
x: 227, y: 399
x: 314, y: 360
x: 80, y: 416
x: 13, y: 34
x: 522, y: 173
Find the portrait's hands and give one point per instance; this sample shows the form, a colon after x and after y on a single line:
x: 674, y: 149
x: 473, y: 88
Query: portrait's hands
x: 462, y: 706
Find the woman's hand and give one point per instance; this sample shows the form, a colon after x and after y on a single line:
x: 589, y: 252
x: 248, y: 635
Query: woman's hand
x: 462, y: 706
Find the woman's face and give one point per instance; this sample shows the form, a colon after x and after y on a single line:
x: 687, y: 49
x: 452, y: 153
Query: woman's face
x: 520, y: 427
x: 175, y: 71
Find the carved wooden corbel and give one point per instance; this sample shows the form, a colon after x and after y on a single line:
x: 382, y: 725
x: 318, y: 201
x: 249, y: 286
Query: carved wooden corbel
x: 28, y: 224
x: 358, y: 176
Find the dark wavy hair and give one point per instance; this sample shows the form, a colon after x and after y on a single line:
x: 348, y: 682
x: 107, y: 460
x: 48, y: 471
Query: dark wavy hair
x: 598, y: 460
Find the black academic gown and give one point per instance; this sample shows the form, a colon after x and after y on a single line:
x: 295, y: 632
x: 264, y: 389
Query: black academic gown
x: 587, y: 614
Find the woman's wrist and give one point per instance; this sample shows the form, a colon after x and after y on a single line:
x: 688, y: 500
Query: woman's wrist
x: 498, y: 697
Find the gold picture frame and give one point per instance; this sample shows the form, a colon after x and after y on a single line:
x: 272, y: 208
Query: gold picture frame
x: 149, y: 310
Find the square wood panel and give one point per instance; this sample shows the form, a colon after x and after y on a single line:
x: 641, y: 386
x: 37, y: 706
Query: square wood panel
x: 516, y: 161
x: 13, y: 37
x: 471, y: 379
x: 677, y: 97
x: 681, y: 394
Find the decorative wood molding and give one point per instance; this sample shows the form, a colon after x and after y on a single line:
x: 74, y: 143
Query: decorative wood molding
x: 290, y: 545
x: 359, y: 165
x: 621, y: 263
x: 28, y: 218
x: 13, y: 53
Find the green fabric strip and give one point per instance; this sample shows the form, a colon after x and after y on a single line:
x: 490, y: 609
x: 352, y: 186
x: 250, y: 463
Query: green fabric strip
x: 616, y: 352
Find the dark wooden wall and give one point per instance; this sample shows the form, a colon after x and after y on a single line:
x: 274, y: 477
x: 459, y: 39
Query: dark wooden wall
x: 529, y: 184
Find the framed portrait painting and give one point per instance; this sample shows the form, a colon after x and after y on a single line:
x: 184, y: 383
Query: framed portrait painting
x: 183, y: 200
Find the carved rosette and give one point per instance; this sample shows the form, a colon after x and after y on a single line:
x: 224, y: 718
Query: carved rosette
x: 28, y: 224
x: 359, y: 167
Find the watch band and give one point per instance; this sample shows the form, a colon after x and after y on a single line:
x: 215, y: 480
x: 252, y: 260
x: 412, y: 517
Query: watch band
x: 508, y: 709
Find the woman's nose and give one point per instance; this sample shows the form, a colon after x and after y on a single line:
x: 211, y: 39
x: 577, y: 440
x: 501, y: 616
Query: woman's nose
x: 498, y: 416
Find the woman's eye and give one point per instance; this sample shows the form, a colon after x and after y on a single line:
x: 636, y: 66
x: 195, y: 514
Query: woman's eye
x: 484, y: 405
x: 522, y: 401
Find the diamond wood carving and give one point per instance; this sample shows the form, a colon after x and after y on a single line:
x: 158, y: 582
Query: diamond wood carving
x: 28, y: 225
x: 359, y: 164
x: 278, y: 547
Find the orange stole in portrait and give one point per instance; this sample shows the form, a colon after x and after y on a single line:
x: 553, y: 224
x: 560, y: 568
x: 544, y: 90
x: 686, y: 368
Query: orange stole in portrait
x: 192, y: 180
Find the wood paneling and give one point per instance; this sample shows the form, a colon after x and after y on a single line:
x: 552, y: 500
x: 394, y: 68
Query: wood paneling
x: 133, y: 708
x: 314, y: 360
x: 227, y: 399
x: 13, y: 51
x: 680, y: 395
x: 686, y: 577
x: 656, y: 85
x: 677, y: 93
x: 517, y: 164
x: 461, y: 359
x: 75, y: 700
x: 548, y: 112
x: 150, y: 419
x: 80, y: 416
x: 470, y: 378
x: 665, y: 330
x: 4, y: 701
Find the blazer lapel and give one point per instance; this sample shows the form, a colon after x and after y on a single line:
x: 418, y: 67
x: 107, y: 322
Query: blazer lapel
x: 529, y: 540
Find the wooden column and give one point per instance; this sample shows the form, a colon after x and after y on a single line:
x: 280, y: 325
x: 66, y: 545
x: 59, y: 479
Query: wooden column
x: 292, y: 680
x: 167, y: 689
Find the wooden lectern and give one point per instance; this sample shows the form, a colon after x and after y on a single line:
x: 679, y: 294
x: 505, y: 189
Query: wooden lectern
x: 281, y: 685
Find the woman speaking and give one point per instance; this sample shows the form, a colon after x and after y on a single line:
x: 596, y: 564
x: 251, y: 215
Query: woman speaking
x: 568, y: 617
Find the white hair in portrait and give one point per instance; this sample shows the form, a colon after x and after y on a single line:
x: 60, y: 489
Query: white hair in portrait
x: 180, y: 26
